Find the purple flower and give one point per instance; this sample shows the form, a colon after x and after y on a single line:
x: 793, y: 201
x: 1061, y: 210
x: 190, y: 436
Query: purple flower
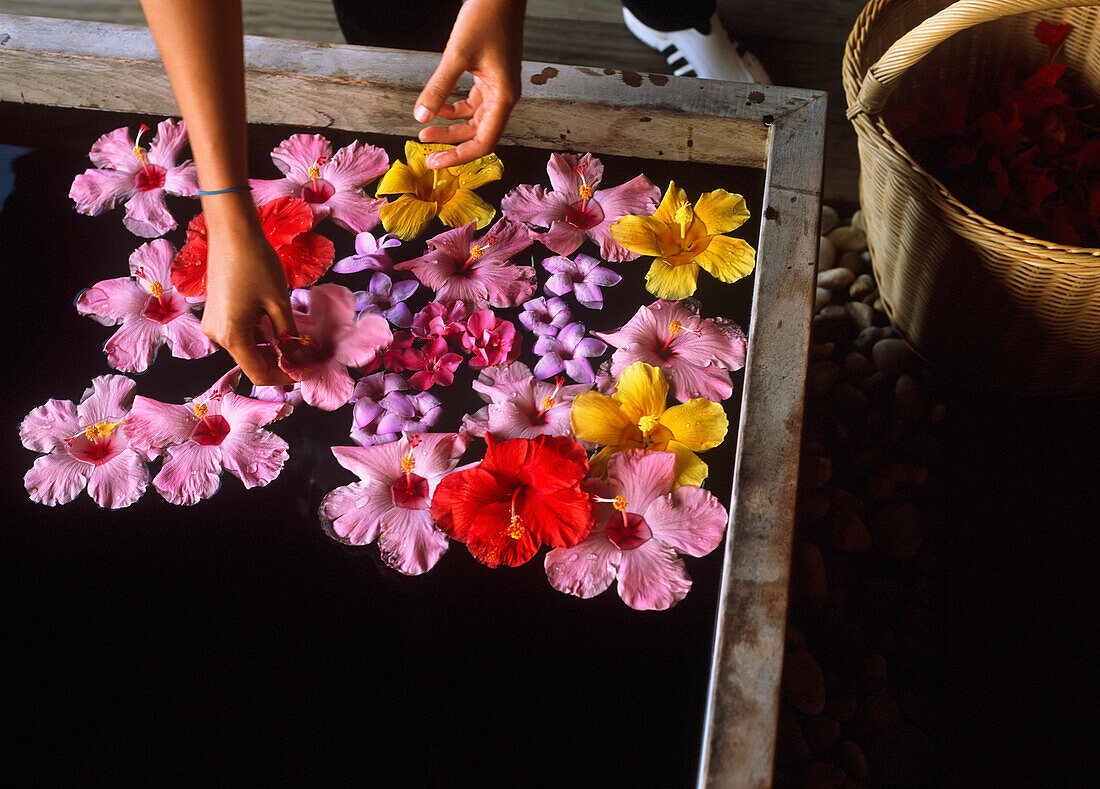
x: 387, y: 298
x: 384, y: 408
x: 569, y: 351
x: 332, y: 185
x: 279, y: 394
x: 545, y: 316
x: 126, y: 171
x: 370, y: 253
x: 574, y: 210
x: 584, y: 276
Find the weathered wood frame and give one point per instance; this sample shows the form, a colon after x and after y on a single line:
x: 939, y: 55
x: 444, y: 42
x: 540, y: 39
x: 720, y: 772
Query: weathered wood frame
x: 778, y: 130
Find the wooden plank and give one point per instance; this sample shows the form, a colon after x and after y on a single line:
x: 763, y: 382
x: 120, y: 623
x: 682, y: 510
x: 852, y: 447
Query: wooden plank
x: 743, y: 704
x: 85, y: 64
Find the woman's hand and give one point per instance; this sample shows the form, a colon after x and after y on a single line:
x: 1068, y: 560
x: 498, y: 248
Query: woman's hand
x: 244, y: 282
x: 487, y: 42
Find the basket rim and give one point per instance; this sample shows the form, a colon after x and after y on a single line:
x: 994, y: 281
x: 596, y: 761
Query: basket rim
x: 875, y: 130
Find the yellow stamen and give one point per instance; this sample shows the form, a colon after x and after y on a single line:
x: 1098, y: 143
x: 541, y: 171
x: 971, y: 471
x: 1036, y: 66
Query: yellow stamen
x: 156, y: 289
x: 648, y: 423
x: 674, y: 328
x: 619, y: 503
x: 408, y: 463
x: 476, y: 251
x: 200, y: 410
x: 684, y: 216
x: 314, y: 172
x: 515, y: 528
x: 101, y: 429
x: 586, y: 191
x: 547, y: 403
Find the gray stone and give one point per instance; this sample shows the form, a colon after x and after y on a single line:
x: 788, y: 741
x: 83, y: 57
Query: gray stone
x: 848, y: 239
x: 853, y: 261
x: 821, y: 298
x: 894, y: 357
x: 829, y: 219
x: 863, y: 285
x: 862, y: 314
x: 826, y: 254
x: 836, y: 279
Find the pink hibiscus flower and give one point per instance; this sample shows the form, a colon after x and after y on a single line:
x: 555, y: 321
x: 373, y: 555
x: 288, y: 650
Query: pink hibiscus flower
x: 521, y: 406
x: 126, y: 171
x: 331, y: 339
x: 391, y: 501
x: 434, y: 363
x: 479, y: 272
x: 85, y: 445
x: 640, y: 525
x: 696, y: 354
x: 218, y: 430
x: 575, y: 210
x: 490, y: 339
x: 151, y: 312
x: 332, y: 185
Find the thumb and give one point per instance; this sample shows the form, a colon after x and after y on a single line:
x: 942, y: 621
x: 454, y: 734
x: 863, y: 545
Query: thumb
x: 438, y: 89
x: 282, y: 318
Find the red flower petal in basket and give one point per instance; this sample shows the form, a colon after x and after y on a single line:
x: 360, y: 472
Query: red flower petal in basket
x: 286, y: 221
x: 1052, y: 34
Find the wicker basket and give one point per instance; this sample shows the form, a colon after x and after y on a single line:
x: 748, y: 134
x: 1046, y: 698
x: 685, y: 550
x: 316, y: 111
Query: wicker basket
x: 998, y: 307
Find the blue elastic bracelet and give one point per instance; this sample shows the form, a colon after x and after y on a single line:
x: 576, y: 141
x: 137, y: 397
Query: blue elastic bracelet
x: 223, y: 191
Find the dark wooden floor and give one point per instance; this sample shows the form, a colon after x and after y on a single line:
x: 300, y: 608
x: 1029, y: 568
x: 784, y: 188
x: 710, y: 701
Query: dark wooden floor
x: 801, y: 44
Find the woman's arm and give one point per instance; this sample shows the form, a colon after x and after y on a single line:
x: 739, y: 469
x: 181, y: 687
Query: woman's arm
x: 202, y: 45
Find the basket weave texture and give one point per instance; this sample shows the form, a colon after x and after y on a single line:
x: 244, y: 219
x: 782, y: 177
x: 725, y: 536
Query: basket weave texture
x: 995, y: 306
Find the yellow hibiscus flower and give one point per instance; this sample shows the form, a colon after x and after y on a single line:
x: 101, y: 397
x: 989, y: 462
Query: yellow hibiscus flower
x: 635, y: 417
x: 683, y: 238
x: 426, y: 193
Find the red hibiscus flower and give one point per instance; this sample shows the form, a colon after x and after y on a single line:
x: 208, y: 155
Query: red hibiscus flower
x: 286, y: 222
x: 524, y: 493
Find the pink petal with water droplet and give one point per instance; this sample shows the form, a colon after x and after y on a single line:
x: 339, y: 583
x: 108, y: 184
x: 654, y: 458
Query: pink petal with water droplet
x: 45, y: 428
x: 298, y: 152
x: 112, y: 301
x: 191, y: 473
x: 253, y: 455
x: 690, y: 520
x: 586, y: 569
x: 146, y: 214
x: 652, y: 577
x: 56, y: 479
x: 153, y: 425
x: 409, y: 542
x: 186, y: 340
x: 97, y: 190
x: 354, y: 512
x: 109, y: 397
x: 119, y: 482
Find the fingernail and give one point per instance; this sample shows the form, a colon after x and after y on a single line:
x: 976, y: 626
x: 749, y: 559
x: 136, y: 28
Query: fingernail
x: 433, y: 161
x: 422, y: 114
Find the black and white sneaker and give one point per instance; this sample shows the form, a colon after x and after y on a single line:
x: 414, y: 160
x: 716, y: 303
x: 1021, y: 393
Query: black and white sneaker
x: 708, y: 53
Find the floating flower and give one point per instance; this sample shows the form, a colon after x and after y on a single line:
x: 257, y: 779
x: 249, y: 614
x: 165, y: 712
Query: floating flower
x: 434, y: 363
x: 141, y: 177
x: 575, y: 210
x: 279, y: 394
x: 490, y: 339
x: 218, y: 430
x: 370, y: 254
x: 635, y: 417
x: 387, y: 298
x: 85, y: 445
x: 425, y: 193
x: 371, y: 422
x: 440, y: 319
x: 331, y: 339
x: 392, y: 499
x: 286, y: 222
x: 570, y: 351
x: 545, y: 316
x: 695, y: 354
x: 520, y: 406
x: 150, y: 310
x: 640, y: 523
x: 457, y: 266
x: 330, y: 185
x: 524, y: 493
x: 583, y: 276
x: 682, y: 238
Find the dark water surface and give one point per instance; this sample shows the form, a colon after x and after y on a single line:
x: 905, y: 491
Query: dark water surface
x: 233, y: 642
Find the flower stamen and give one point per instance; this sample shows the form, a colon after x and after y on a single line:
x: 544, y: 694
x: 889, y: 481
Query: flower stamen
x: 684, y: 216
x: 139, y: 152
